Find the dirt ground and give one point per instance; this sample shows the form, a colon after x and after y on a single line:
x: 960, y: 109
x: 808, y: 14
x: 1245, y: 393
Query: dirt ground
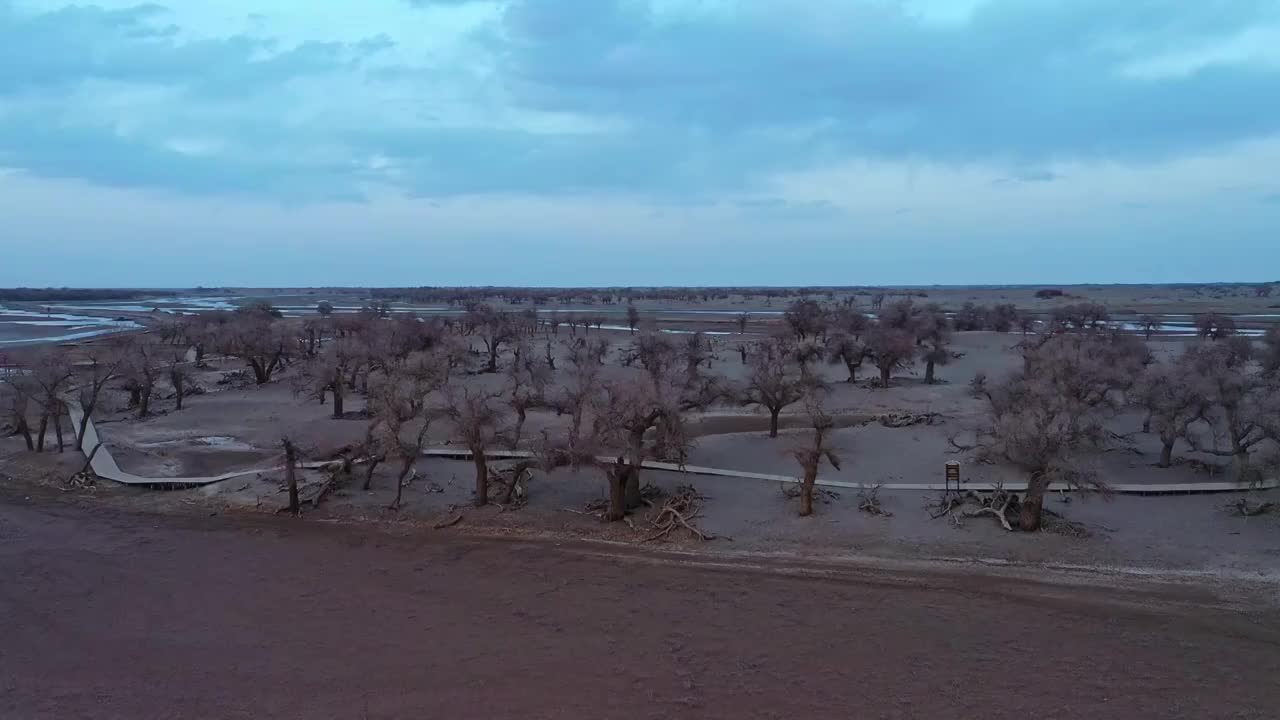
x: 230, y: 429
x: 115, y: 615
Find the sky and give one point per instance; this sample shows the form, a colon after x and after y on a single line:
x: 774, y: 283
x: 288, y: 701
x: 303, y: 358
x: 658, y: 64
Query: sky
x: 638, y: 142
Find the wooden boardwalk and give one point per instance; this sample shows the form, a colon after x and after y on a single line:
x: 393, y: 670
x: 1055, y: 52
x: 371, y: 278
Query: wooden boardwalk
x: 105, y: 467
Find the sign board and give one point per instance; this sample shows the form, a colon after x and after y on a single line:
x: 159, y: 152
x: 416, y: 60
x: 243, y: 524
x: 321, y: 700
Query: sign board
x: 953, y: 475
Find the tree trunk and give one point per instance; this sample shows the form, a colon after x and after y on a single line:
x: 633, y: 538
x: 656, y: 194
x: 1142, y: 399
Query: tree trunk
x: 636, y: 457
x: 44, y: 426
x: 135, y: 397
x: 885, y: 373
x: 144, y: 402
x: 773, y: 421
x: 853, y: 371
x: 291, y: 476
x: 1146, y: 422
x: 25, y: 430
x: 806, y: 491
x: 618, y: 475
x: 493, y: 358
x: 404, y: 473
x: 86, y: 411
x: 1166, y: 453
x: 368, y: 473
x: 482, y: 477
x: 200, y: 355
x: 1033, y: 503
x: 260, y: 373
x: 928, y: 372
x: 57, y: 430
x: 521, y: 415
x: 179, y: 387
x: 1240, y: 466
x: 337, y: 399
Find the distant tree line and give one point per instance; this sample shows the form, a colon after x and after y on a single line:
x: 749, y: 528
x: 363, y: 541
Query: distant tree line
x: 77, y: 294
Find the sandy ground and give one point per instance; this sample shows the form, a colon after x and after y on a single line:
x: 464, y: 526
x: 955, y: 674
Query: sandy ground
x: 114, y: 615
x: 232, y: 429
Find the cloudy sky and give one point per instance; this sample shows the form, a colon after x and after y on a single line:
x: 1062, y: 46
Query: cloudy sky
x: 568, y: 142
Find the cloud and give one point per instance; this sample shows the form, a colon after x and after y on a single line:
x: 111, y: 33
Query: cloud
x: 662, y: 99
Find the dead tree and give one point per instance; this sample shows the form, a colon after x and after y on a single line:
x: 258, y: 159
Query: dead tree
x: 494, y: 329
x: 101, y: 366
x: 811, y: 456
x: 399, y: 413
x: 1214, y: 326
x: 140, y: 371
x: 933, y: 331
x: 178, y: 373
x: 333, y: 370
x: 21, y: 390
x: 890, y: 349
x: 771, y: 384
x: 1271, y: 352
x: 526, y: 389
x: 51, y: 375
x: 258, y: 339
x: 633, y: 318
x: 1243, y: 402
x: 479, y: 420
x: 1174, y: 399
x: 291, y: 475
x: 1043, y: 418
x: 1148, y: 324
x: 805, y: 319
x: 634, y: 418
x: 844, y: 349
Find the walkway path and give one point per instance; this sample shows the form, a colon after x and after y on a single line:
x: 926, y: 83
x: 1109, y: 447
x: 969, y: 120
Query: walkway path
x: 104, y: 466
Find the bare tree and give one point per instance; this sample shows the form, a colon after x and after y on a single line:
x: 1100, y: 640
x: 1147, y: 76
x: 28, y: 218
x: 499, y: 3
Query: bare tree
x: 843, y: 348
x: 495, y: 330
x: 811, y: 456
x: 1271, y: 352
x: 1026, y: 323
x: 101, y: 366
x: 399, y: 413
x: 258, y: 339
x: 20, y: 392
x: 526, y: 389
x: 1214, y: 326
x: 891, y: 349
x: 332, y: 370
x: 742, y: 319
x: 1042, y: 418
x: 770, y: 382
x: 1148, y: 324
x: 479, y: 420
x: 1242, y: 402
x: 178, y: 372
x: 805, y: 319
x: 140, y: 370
x: 934, y: 331
x: 51, y: 375
x: 291, y: 475
x: 634, y: 418
x: 633, y: 317
x: 1174, y: 399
